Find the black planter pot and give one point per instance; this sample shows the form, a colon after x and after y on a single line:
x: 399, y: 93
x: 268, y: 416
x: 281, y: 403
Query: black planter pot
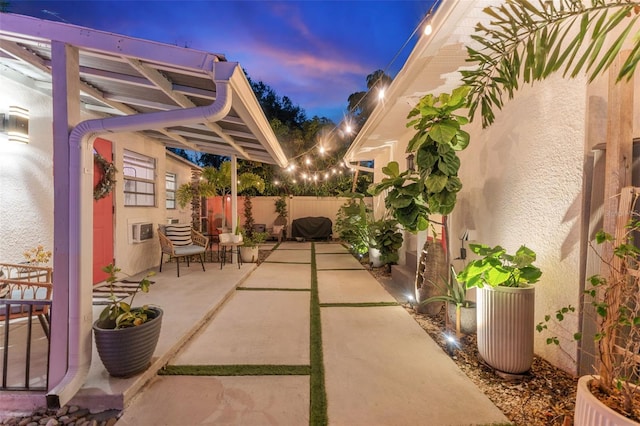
x: 128, y: 351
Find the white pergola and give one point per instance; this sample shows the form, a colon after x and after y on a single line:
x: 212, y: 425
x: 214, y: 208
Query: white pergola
x: 180, y: 97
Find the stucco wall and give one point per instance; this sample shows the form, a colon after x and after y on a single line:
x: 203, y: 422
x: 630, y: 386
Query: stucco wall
x: 522, y: 182
x: 135, y: 257
x: 26, y: 172
x: 26, y: 176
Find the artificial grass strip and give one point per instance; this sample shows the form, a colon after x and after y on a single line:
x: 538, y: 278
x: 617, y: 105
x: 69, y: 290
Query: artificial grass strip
x: 271, y: 289
x: 318, y: 401
x: 358, y: 305
x: 235, y: 370
x: 285, y: 263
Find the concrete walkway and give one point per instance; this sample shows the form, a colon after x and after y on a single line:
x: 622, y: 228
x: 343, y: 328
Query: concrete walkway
x: 376, y: 365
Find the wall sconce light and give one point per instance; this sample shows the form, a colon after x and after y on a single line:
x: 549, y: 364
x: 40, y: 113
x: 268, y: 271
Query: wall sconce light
x: 410, y: 165
x: 16, y: 124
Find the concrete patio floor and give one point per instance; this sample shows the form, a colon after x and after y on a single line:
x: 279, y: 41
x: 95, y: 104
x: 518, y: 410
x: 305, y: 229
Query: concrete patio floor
x: 380, y: 367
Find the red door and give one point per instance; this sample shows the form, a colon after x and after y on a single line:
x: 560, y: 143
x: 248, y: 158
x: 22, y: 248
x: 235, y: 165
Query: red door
x: 102, y: 217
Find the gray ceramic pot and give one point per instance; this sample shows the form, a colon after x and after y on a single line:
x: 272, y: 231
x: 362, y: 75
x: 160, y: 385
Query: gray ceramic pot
x: 128, y: 351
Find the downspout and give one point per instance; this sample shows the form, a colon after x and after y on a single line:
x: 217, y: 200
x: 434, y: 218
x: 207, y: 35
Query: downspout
x: 81, y: 218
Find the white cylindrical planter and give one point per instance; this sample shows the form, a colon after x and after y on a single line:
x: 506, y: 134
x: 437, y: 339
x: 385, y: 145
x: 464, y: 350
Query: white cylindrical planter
x: 374, y: 257
x: 590, y: 411
x: 249, y: 254
x: 505, y: 321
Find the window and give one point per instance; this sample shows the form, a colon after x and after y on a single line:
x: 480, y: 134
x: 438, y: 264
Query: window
x: 170, y: 186
x: 139, y: 180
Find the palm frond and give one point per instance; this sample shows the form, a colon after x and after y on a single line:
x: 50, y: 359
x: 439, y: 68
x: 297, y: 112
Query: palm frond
x: 530, y: 42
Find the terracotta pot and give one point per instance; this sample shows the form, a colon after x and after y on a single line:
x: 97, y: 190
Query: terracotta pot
x: 590, y: 411
x: 505, y: 317
x: 128, y: 351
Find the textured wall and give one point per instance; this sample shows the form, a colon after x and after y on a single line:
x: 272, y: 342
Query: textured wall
x: 522, y: 182
x: 26, y: 174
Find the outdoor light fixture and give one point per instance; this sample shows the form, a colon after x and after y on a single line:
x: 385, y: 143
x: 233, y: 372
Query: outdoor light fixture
x: 451, y: 343
x: 428, y: 29
x: 410, y: 164
x: 410, y: 299
x: 16, y: 124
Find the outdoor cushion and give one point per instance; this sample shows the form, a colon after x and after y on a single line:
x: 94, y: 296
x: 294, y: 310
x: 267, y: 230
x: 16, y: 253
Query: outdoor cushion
x: 180, y: 234
x: 24, y: 294
x: 187, y: 250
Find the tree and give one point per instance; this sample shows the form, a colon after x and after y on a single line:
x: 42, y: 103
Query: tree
x: 529, y: 43
x: 362, y: 104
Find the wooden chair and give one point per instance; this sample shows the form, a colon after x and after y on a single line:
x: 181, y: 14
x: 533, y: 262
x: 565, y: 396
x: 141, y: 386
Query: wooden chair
x: 181, y: 241
x: 24, y: 282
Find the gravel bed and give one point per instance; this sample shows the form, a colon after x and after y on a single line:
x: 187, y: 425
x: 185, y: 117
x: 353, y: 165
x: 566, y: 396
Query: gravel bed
x: 67, y: 415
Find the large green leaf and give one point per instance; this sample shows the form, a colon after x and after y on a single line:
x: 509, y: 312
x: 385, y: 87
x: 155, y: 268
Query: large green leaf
x: 443, y: 132
x: 449, y: 163
x: 426, y: 157
x: 436, y: 182
x: 392, y: 169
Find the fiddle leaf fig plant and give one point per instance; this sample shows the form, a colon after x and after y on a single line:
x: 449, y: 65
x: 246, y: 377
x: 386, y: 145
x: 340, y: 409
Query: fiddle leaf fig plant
x: 432, y: 188
x: 496, y: 267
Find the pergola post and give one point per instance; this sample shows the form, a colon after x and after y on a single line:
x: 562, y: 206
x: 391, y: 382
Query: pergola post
x: 619, y: 151
x: 234, y: 200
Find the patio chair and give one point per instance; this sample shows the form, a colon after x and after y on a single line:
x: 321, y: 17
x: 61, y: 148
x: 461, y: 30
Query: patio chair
x: 25, y: 283
x: 279, y: 228
x: 180, y: 240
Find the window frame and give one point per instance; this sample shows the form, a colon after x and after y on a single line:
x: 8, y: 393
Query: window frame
x: 139, y: 162
x: 168, y: 190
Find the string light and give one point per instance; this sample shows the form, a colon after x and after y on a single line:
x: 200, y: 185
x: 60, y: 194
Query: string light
x: 346, y: 124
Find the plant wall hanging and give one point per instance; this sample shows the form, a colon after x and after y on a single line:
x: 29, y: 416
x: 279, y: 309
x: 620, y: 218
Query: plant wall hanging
x: 108, y: 180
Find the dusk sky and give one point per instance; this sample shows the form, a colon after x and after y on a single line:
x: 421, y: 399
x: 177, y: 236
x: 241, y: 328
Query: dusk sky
x: 315, y: 52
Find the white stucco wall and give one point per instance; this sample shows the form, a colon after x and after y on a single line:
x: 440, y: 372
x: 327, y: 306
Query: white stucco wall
x: 522, y: 182
x: 135, y: 257
x: 26, y: 172
x: 26, y: 182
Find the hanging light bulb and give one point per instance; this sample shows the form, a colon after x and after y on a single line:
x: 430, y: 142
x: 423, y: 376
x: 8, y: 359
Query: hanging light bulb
x: 304, y: 176
x: 315, y: 177
x: 428, y: 29
x: 276, y: 183
x: 348, y: 128
x: 321, y: 149
x: 294, y: 181
x: 326, y: 175
x: 381, y: 93
x: 307, y: 161
x: 333, y: 171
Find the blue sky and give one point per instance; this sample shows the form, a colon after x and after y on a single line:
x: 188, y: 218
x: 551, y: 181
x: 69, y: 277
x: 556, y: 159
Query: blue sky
x: 315, y: 52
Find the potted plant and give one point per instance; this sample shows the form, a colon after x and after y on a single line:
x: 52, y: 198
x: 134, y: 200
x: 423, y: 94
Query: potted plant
x: 126, y: 337
x: 352, y: 224
x: 249, y: 249
x: 385, y: 240
x: 611, y: 394
x: 460, y: 310
x: 505, y: 302
x: 430, y: 188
